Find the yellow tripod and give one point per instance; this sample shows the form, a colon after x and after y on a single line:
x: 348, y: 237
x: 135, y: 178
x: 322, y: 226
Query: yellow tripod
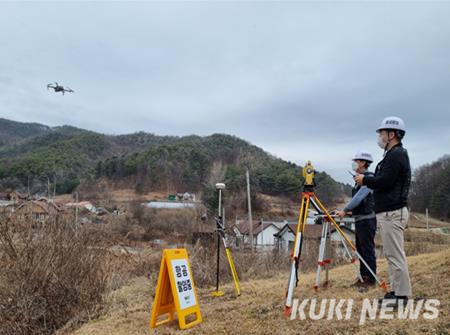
x: 221, y: 236
x: 308, y: 196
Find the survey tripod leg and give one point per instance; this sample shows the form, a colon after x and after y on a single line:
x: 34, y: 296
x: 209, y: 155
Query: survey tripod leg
x: 218, y: 293
x: 322, y: 261
x: 328, y: 256
x: 352, y: 259
x: 345, y: 240
x: 324, y: 257
x: 221, y: 236
x: 237, y: 284
x: 296, y: 252
x: 307, y: 196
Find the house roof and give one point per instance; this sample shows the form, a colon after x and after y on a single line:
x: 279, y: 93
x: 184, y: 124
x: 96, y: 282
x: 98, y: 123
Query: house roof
x: 264, y: 226
x: 278, y: 223
x: 171, y: 204
x: 45, y: 205
x: 78, y: 204
x: 20, y: 195
x: 311, y: 230
x: 244, y: 227
x: 51, y: 203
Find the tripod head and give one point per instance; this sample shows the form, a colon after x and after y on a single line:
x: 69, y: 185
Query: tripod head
x: 219, y: 226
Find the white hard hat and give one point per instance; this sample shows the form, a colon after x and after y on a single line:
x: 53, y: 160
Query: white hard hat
x: 363, y: 156
x: 392, y: 122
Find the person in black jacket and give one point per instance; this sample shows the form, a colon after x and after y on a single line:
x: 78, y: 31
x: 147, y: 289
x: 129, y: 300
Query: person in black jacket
x: 361, y: 207
x: 391, y: 184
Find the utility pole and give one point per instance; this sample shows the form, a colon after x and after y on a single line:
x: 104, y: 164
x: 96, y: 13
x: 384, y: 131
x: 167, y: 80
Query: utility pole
x: 426, y: 214
x: 249, y: 202
x: 262, y: 233
x: 28, y: 187
x: 76, y: 208
x: 54, y: 186
x: 48, y: 188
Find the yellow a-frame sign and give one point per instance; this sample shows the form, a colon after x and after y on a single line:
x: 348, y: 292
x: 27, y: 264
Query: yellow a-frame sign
x: 175, y: 291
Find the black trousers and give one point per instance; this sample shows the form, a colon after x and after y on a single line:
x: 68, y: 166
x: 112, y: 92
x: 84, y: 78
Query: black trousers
x: 365, y: 245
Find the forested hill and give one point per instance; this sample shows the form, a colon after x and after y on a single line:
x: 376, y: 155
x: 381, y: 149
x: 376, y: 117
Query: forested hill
x: 12, y: 132
x: 71, y: 156
x: 431, y: 188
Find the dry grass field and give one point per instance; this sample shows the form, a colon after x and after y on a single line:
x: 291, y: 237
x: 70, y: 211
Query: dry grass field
x: 259, y: 310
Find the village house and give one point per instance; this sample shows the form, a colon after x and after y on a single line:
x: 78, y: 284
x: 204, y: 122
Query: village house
x: 17, y: 197
x: 280, y: 234
x: 264, y: 231
x: 263, y: 234
x: 286, y: 236
x: 7, y: 207
x: 39, y: 209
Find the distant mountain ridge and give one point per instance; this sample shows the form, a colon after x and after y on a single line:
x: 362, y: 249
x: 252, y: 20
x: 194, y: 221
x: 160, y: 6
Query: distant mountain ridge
x: 36, y: 154
x: 12, y: 132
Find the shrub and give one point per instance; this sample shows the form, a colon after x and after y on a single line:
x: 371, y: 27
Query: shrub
x: 50, y: 273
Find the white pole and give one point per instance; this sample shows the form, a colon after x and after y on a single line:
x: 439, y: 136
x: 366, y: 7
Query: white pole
x: 426, y: 214
x: 220, y: 202
x: 76, y: 208
x: 250, y: 219
x: 262, y: 232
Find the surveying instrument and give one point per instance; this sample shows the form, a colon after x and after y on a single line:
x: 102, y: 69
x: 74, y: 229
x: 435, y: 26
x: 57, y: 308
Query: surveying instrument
x: 220, y: 229
x: 308, y: 196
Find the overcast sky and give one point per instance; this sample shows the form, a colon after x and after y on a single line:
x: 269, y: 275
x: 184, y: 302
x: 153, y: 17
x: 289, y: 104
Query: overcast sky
x: 305, y: 80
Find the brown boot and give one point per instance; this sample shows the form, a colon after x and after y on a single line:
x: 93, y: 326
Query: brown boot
x: 357, y: 283
x: 365, y: 283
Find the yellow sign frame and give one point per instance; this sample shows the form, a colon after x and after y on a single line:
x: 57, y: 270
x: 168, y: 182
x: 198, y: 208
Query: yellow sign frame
x: 175, y: 292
